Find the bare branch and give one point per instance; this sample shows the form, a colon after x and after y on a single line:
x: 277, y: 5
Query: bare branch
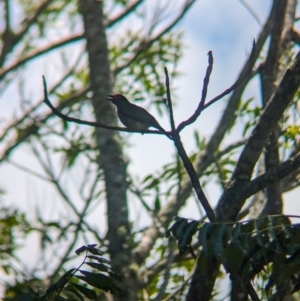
x: 30, y: 171
x: 240, y: 79
x: 29, y: 21
x: 269, y: 118
x: 190, y: 168
x: 251, y: 152
x: 272, y: 176
x: 291, y: 182
x: 203, y: 160
x: 32, y: 109
x: 269, y: 74
x: 167, y: 273
x: 33, y: 129
x: 48, y: 168
x: 38, y: 52
x: 169, y: 100
x: 251, y: 11
x: 199, y: 109
x: 80, y: 36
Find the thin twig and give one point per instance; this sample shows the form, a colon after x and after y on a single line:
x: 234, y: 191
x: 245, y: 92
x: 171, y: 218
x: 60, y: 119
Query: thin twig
x: 36, y: 106
x: 180, y: 288
x: 200, y: 107
x: 48, y: 168
x: 28, y: 22
x: 80, y: 36
x: 167, y: 273
x: 169, y: 101
x: 251, y: 11
x: 38, y: 52
x: 271, y: 176
x: 64, y: 41
x: 238, y: 82
x: 30, y: 171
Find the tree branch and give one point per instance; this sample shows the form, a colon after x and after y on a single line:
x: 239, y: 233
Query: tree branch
x: 188, y: 164
x: 271, y: 176
x: 241, y: 78
x: 33, y: 129
x: 200, y: 107
x: 203, y: 159
x: 169, y: 101
x: 38, y: 52
x: 269, y: 118
x: 80, y: 36
x: 8, y: 45
x: 231, y: 201
x: 28, y: 113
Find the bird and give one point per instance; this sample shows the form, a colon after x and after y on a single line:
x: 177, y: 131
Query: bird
x: 133, y: 116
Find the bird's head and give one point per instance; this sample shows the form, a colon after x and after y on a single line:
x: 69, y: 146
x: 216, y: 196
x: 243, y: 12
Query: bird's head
x: 117, y: 99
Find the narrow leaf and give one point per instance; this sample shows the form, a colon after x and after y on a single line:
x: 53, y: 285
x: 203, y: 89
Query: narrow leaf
x: 90, y: 294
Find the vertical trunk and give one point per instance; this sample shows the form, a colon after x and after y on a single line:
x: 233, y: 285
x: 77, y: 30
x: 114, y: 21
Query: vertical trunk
x: 269, y: 76
x: 111, y: 159
x: 282, y: 25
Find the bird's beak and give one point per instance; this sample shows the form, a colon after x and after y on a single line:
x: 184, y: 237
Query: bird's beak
x: 110, y: 97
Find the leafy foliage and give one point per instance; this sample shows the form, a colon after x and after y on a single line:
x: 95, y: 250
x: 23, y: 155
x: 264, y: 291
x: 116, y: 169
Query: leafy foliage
x: 67, y: 287
x: 13, y: 225
x: 183, y: 231
x: 246, y: 249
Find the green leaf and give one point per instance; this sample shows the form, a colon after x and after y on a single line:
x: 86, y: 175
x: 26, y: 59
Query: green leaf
x: 64, y: 279
x: 115, y: 275
x: 261, y: 238
x: 236, y: 232
x: 178, y: 228
x: 157, y: 204
x: 203, y: 235
x: 75, y: 293
x: 99, y: 259
x: 90, y: 294
x: 273, y: 223
x: 94, y: 251
x: 218, y: 240
x: 185, y: 240
x: 101, y: 281
x: 288, y: 271
x: 98, y: 266
x: 80, y: 250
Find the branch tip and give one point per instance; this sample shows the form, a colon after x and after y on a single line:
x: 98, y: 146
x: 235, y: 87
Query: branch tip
x: 46, y: 100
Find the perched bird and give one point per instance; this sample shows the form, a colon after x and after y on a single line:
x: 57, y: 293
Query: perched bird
x: 133, y: 116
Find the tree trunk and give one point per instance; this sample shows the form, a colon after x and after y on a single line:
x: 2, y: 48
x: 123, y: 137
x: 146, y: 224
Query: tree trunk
x: 111, y: 159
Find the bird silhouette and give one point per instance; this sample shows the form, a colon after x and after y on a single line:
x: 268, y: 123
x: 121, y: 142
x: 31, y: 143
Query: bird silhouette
x: 133, y: 116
